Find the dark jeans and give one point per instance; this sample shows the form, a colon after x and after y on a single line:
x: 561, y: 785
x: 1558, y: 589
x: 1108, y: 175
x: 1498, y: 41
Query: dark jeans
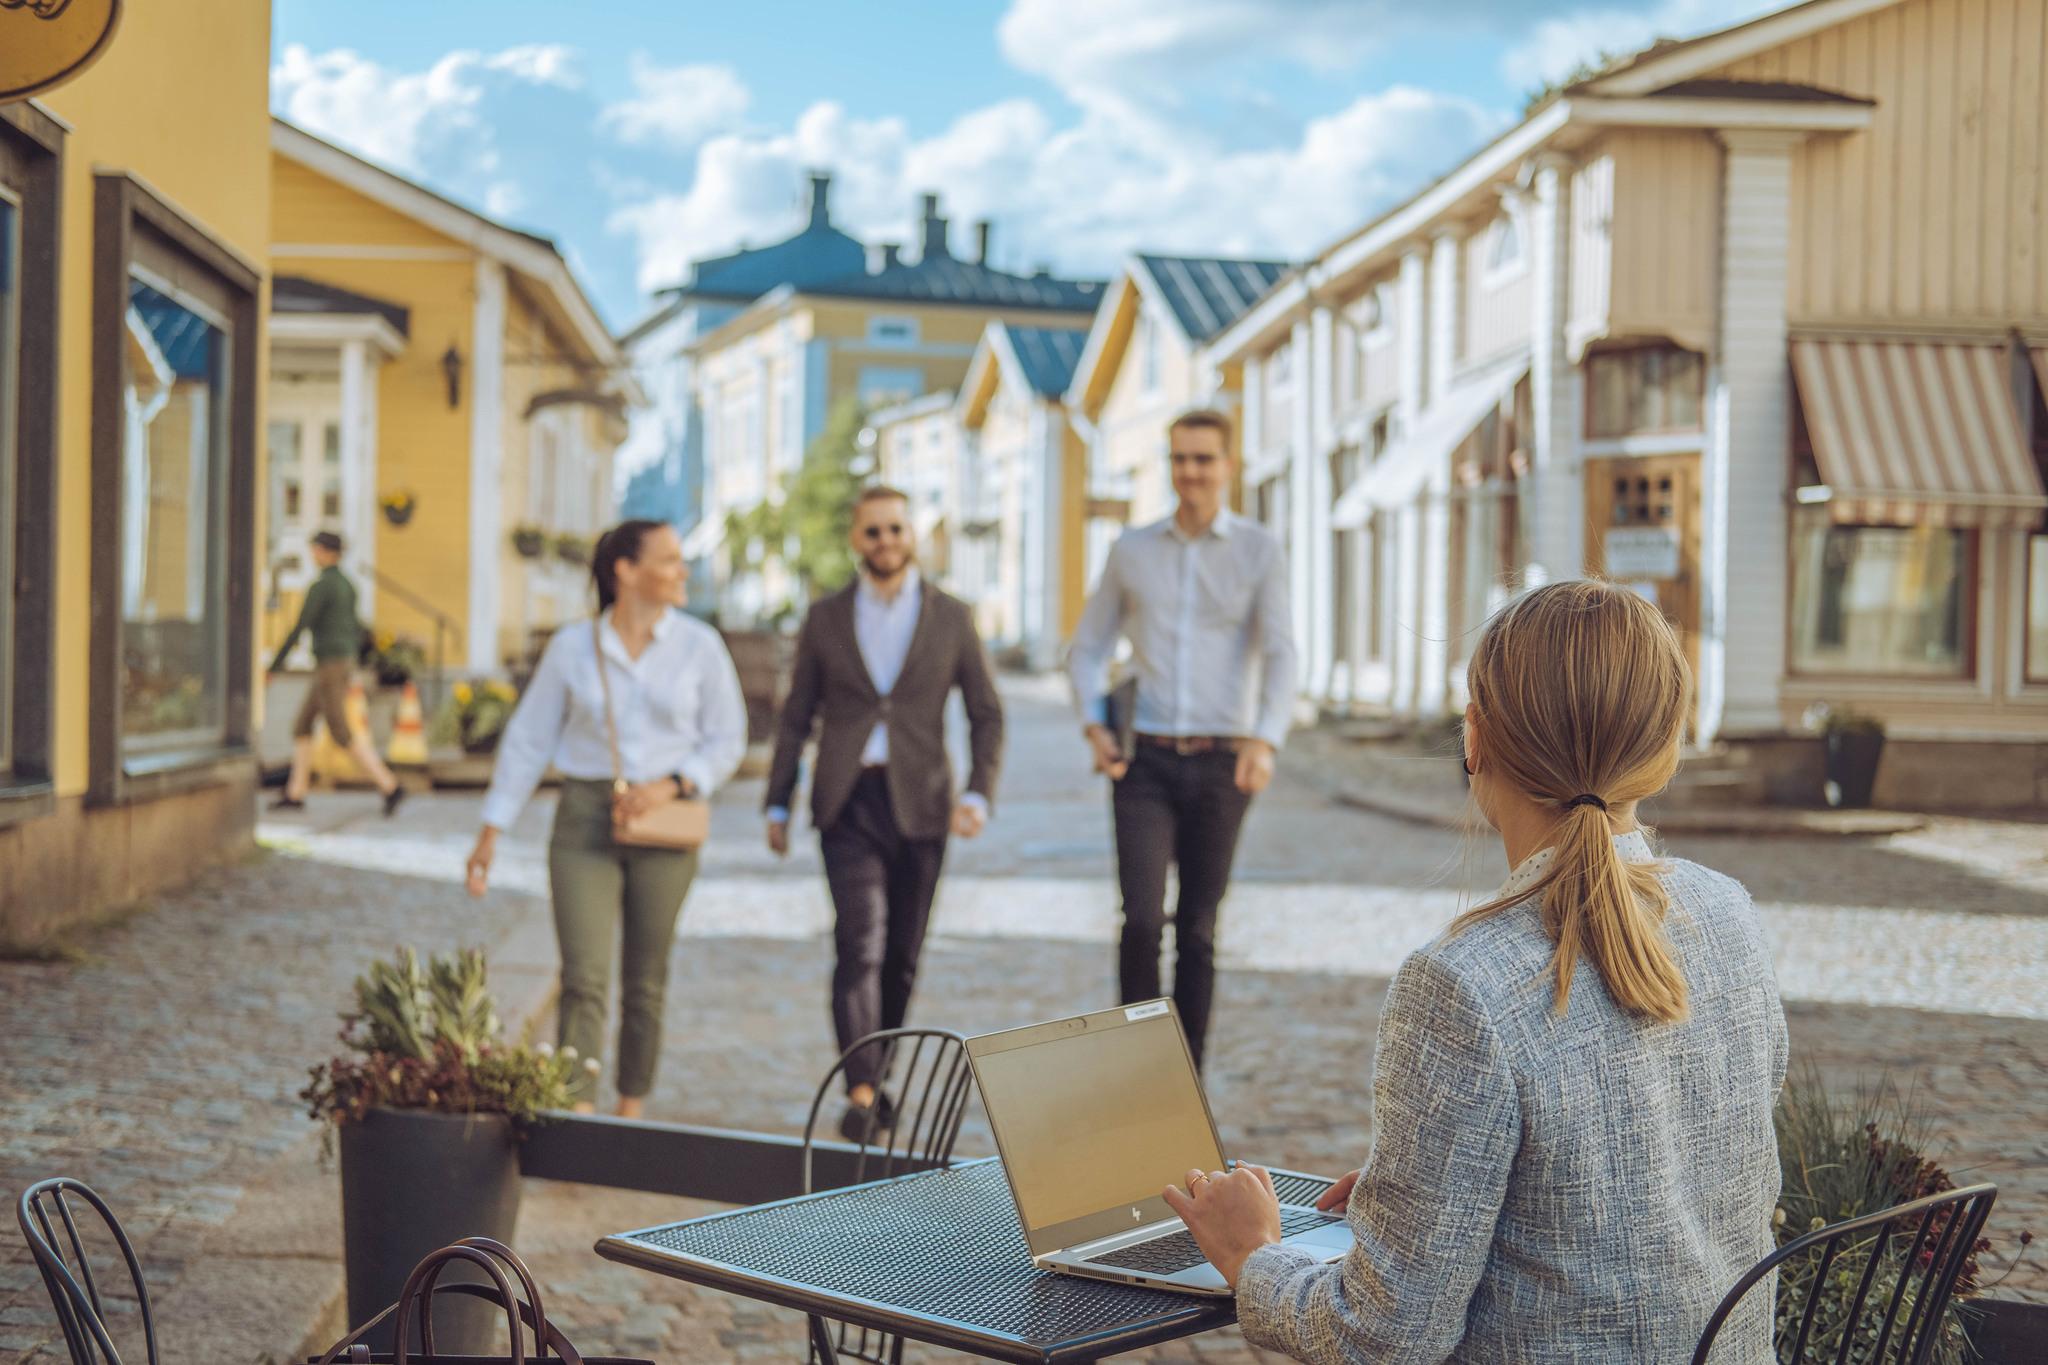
x: 1184, y: 809
x: 882, y: 885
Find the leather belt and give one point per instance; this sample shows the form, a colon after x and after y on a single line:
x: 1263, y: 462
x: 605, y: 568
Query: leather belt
x: 1186, y: 745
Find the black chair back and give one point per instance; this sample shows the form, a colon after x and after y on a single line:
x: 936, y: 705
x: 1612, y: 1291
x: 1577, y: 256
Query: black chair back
x: 928, y: 1072
x: 1896, y: 1325
x: 45, y: 1209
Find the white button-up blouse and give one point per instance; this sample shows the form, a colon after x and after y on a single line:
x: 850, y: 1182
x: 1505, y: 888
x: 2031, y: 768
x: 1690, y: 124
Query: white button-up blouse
x: 678, y: 707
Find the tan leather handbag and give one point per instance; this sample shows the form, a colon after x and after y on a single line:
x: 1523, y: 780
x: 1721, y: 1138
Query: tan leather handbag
x: 681, y: 824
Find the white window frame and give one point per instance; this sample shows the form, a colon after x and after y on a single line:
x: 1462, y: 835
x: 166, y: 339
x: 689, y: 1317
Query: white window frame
x: 1508, y: 226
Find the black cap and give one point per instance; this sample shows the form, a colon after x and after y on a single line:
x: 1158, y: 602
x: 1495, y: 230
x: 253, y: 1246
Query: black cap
x: 327, y: 540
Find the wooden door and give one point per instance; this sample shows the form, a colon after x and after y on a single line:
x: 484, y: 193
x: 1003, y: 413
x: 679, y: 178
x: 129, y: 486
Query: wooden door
x: 1643, y: 531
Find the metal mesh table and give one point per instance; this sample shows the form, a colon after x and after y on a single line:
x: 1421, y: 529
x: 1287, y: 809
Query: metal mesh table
x: 937, y: 1256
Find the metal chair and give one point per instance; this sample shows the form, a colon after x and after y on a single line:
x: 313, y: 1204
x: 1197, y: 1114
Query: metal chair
x: 933, y: 1083
x: 1944, y: 1239
x: 80, y: 1311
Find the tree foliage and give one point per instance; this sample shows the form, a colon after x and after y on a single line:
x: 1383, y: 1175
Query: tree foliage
x: 805, y: 531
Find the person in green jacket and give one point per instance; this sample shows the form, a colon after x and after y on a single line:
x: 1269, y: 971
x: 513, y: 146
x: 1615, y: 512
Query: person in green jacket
x: 329, y: 613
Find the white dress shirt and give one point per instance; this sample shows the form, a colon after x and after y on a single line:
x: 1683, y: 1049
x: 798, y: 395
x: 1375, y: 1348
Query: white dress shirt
x: 678, y: 708
x: 1212, y: 641
x: 883, y: 627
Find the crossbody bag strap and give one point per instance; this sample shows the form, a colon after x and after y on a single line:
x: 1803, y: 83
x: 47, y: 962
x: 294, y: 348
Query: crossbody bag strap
x: 604, y: 685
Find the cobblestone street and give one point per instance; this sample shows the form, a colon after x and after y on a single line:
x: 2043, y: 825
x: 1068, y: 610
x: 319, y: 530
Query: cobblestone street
x: 163, y: 1067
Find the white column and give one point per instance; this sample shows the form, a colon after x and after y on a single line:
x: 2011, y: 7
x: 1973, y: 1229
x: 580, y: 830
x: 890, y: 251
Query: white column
x: 1300, y: 487
x: 1445, y: 310
x: 1320, y: 645
x: 1047, y: 442
x: 485, y: 378
x: 1413, y: 338
x: 1253, y: 438
x: 359, y: 493
x: 1743, y: 521
x: 1405, y: 525
x: 1555, y: 492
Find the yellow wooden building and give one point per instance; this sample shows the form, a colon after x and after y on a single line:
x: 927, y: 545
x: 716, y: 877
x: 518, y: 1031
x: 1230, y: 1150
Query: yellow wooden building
x: 134, y: 236
x: 766, y: 377
x: 441, y: 388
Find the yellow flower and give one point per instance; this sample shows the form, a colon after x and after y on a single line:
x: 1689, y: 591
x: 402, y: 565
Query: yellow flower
x: 385, y: 639
x: 462, y: 694
x: 503, y: 691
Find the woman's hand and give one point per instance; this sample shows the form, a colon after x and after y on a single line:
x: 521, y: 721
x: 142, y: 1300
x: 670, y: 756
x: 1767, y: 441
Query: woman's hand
x: 477, y: 875
x: 1334, y: 1199
x: 1231, y: 1216
x: 640, y: 798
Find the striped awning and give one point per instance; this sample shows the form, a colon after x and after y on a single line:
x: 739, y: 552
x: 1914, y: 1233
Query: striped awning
x: 1922, y: 433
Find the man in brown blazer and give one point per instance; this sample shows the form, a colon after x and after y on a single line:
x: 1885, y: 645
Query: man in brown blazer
x: 876, y: 661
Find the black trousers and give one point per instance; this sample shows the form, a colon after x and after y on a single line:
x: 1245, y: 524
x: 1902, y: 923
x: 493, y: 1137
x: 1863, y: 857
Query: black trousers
x: 1175, y: 809
x: 882, y: 885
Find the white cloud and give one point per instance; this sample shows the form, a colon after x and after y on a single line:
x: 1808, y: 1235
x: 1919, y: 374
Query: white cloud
x: 676, y: 106
x: 392, y: 116
x: 1554, y: 47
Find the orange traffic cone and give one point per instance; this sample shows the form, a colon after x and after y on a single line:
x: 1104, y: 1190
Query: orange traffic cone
x: 409, y: 734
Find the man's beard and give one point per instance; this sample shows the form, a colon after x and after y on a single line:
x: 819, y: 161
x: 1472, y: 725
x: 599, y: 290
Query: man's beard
x: 909, y: 562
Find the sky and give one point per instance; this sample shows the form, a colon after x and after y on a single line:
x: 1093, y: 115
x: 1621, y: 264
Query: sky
x: 644, y: 134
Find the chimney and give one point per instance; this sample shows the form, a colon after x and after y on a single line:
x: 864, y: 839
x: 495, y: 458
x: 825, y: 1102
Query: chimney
x: 1041, y: 271
x: 934, y: 230
x: 891, y: 254
x: 821, y: 199
x: 982, y: 229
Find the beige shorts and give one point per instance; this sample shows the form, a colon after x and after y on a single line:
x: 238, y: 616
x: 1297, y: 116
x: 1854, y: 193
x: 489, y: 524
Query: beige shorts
x: 327, y: 697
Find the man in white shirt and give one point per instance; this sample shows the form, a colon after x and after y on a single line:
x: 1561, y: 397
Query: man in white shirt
x: 875, y: 663
x: 1202, y: 598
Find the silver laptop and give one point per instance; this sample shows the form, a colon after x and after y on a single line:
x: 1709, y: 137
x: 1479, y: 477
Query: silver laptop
x: 1095, y: 1116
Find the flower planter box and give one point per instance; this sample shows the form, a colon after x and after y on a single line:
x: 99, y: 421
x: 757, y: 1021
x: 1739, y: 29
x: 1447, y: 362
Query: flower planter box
x: 413, y: 1181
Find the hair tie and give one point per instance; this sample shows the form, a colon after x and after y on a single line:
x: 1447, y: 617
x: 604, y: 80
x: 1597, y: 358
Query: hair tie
x: 1587, y: 799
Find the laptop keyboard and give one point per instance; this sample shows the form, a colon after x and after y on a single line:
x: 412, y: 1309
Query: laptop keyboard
x: 1176, y: 1251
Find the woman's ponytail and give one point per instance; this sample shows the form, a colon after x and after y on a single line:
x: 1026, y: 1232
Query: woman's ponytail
x: 1582, y: 694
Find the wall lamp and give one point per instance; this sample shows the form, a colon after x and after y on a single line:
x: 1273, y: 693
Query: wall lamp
x: 451, y: 366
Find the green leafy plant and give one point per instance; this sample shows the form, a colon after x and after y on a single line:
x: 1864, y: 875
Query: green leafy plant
x: 805, y: 530
x: 1825, y: 718
x: 395, y: 659
x: 572, y: 549
x: 1841, y: 1157
x: 474, y: 716
x: 427, y: 1036
x: 529, y: 540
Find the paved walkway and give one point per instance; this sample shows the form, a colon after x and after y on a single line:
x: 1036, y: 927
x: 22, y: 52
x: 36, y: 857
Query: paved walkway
x: 164, y: 1068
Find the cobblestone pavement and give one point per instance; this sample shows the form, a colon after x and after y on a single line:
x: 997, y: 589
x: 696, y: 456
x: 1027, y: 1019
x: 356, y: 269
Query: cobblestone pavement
x: 164, y: 1068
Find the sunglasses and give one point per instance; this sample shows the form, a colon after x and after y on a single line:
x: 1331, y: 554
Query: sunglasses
x: 877, y: 531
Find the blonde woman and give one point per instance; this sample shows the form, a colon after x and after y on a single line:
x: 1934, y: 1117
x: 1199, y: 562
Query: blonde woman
x: 1573, y: 1157
x: 674, y: 700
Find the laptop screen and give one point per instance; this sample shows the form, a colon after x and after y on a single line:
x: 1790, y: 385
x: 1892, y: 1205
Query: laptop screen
x: 1094, y: 1114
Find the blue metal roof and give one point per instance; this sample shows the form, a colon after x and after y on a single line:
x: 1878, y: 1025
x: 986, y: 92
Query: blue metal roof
x: 1209, y: 293
x: 1048, y: 355
x: 819, y: 253
x: 946, y: 279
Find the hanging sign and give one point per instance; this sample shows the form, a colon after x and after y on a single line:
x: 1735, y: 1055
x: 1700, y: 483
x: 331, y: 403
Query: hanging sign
x: 1640, y: 552
x: 44, y: 43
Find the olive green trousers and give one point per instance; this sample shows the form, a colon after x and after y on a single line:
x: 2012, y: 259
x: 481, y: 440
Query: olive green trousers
x: 611, y: 895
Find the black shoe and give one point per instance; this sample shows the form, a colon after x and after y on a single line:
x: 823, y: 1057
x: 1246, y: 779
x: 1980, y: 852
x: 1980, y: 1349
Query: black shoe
x: 286, y: 803
x: 391, y: 800
x: 863, y: 1123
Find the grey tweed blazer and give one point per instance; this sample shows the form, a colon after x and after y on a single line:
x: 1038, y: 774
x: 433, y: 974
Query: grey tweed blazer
x: 1541, y: 1189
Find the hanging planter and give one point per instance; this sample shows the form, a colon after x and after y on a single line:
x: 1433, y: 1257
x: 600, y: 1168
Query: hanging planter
x: 529, y: 540
x: 399, y: 507
x: 572, y: 549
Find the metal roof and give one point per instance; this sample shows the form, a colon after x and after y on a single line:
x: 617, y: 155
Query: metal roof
x: 1206, y: 293
x: 947, y: 279
x: 297, y: 294
x: 1048, y: 355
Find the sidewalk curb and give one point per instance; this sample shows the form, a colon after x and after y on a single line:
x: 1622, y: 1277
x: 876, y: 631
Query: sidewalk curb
x: 1779, y: 822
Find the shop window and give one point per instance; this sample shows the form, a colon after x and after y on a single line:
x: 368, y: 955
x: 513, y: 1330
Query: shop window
x: 174, y: 337
x: 31, y: 173
x: 1507, y: 250
x: 1644, y: 390
x: 1881, y: 601
x: 2037, y: 609
x: 892, y: 333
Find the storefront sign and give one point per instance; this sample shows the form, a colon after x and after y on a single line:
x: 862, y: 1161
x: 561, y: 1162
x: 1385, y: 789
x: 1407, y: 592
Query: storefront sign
x: 1631, y: 552
x: 44, y: 43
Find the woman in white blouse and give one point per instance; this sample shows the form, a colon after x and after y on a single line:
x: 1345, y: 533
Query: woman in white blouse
x: 682, y: 728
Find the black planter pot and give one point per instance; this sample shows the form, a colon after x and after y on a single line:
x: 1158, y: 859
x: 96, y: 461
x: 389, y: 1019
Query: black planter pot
x: 2007, y: 1332
x: 1852, y: 758
x: 399, y: 516
x: 411, y: 1183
